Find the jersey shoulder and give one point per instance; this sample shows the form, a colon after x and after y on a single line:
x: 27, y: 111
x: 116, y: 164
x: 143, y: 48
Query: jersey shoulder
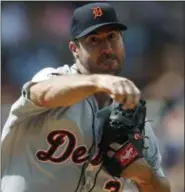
x: 48, y: 72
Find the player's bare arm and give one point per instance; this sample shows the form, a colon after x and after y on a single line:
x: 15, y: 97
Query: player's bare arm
x: 145, y: 178
x: 60, y: 90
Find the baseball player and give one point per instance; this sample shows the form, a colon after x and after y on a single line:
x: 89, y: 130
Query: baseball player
x: 50, y: 139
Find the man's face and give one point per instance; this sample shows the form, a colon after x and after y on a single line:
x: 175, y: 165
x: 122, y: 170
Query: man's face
x: 102, y: 51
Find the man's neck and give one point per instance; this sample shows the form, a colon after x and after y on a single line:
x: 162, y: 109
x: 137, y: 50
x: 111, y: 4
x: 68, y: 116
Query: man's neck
x: 81, y: 69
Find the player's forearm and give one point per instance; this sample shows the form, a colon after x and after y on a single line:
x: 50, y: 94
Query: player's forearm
x: 156, y: 184
x: 63, y: 90
x: 145, y: 178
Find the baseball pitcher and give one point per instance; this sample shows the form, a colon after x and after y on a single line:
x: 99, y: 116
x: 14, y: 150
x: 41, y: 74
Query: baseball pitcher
x: 82, y: 128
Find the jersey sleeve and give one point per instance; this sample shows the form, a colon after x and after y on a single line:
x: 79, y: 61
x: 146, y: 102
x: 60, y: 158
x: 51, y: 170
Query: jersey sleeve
x: 24, y: 107
x: 152, y: 154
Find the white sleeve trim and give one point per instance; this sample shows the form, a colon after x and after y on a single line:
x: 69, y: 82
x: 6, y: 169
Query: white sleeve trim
x: 45, y: 74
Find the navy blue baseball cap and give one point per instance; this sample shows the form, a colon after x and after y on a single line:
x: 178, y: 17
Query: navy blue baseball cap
x: 92, y: 16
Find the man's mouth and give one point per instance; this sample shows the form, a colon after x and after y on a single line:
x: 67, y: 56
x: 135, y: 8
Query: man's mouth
x: 108, y: 63
x: 107, y: 57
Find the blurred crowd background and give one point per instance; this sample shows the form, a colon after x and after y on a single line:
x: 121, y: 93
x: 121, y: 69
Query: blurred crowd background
x: 35, y: 35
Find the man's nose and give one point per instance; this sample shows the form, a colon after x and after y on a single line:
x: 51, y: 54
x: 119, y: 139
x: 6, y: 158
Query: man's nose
x: 106, y: 47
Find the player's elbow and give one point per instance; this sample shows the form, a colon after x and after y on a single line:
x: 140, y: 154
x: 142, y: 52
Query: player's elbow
x: 40, y: 95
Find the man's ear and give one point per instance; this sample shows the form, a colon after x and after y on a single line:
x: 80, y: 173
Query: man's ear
x: 73, y: 48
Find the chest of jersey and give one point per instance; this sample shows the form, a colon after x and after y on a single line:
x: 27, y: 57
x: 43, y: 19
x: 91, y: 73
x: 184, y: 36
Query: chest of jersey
x: 51, y: 147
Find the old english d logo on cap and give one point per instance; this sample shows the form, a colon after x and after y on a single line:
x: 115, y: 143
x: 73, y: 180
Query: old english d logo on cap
x: 97, y: 12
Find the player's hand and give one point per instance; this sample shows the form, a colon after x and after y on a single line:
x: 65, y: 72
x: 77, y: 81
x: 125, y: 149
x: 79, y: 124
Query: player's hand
x: 122, y: 90
x: 139, y: 171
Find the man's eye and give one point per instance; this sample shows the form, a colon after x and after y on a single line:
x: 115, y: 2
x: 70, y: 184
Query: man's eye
x: 93, y: 40
x: 112, y: 36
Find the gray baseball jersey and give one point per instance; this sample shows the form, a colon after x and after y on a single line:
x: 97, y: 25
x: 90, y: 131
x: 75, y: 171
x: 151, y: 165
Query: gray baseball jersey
x: 44, y: 149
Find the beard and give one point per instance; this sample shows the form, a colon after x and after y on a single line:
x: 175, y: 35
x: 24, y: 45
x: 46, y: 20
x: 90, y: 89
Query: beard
x: 109, y: 63
x: 104, y: 65
x: 106, y: 70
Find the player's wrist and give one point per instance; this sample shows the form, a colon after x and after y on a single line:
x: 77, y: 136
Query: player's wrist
x: 101, y: 81
x: 139, y: 172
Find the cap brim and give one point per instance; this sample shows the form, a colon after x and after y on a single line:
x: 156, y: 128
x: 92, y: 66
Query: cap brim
x: 95, y: 27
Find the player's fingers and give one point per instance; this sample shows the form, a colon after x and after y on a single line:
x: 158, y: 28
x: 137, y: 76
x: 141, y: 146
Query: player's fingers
x: 119, y: 94
x: 137, y: 92
x: 110, y: 153
x: 114, y: 147
x: 132, y: 95
x: 119, y: 98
